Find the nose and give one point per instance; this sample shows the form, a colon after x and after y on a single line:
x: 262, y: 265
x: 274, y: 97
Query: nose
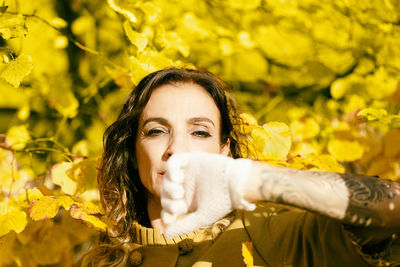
x: 177, y: 144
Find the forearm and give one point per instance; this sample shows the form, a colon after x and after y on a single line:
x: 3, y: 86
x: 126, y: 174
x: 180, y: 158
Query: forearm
x: 355, y: 200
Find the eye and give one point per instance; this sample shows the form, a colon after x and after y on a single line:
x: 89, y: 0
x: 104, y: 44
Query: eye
x: 203, y: 134
x: 155, y: 132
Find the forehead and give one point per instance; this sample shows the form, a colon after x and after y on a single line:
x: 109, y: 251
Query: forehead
x: 181, y: 100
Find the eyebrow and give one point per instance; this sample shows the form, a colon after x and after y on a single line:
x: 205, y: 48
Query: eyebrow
x: 165, y: 122
x: 156, y: 119
x: 201, y: 119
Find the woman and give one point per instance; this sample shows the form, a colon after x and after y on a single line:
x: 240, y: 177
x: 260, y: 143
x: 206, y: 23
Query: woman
x: 169, y: 166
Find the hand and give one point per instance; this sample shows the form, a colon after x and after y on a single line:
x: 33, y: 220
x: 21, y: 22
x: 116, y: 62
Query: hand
x: 200, y: 188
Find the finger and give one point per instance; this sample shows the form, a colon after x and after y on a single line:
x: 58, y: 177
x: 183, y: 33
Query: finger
x: 167, y: 217
x: 176, y: 166
x: 174, y: 206
x: 172, y: 190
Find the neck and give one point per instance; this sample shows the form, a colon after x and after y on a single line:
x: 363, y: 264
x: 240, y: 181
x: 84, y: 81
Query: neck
x: 154, y: 211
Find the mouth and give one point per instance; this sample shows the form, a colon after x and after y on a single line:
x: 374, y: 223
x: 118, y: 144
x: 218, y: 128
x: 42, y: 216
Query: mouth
x: 161, y: 173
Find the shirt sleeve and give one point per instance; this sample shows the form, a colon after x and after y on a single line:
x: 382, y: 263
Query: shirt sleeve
x: 287, y: 236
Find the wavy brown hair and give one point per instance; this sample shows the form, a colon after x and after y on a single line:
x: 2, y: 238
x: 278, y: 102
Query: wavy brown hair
x: 122, y: 194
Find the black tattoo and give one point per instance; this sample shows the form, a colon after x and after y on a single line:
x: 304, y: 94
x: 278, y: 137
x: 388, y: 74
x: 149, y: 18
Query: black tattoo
x: 365, y: 192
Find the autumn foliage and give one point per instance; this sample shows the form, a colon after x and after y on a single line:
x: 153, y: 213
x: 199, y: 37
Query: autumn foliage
x: 318, y: 83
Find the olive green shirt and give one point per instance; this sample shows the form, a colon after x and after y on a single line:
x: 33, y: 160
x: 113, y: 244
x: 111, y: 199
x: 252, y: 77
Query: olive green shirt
x: 280, y: 235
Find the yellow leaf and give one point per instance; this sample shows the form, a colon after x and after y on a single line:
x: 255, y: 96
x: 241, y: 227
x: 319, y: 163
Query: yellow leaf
x: 339, y: 88
x: 304, y: 129
x: 245, y: 39
x: 60, y: 177
x: 304, y: 149
x: 322, y: 162
x: 18, y: 136
x: 272, y: 141
x: 372, y: 114
x: 281, y: 139
x: 381, y: 85
x: 48, y: 206
x: 284, y: 44
x: 337, y: 60
x: 64, y: 101
x: 247, y: 253
x: 248, y: 119
x: 172, y: 40
x: 123, y: 8
x: 248, y: 123
x: 151, y: 10
x: 65, y: 201
x: 13, y: 219
x: 136, y: 38
x: 249, y: 66
x: 89, y: 207
x: 345, y: 150
x: 16, y: 70
x: 12, y: 26
x: 147, y: 62
x: 80, y: 213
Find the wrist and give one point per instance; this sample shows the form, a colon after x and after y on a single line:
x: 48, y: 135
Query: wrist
x: 238, y: 175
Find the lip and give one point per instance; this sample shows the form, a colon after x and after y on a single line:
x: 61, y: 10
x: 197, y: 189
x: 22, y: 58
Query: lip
x: 161, y: 173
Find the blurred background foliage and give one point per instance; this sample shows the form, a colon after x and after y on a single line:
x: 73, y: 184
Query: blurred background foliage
x: 317, y: 80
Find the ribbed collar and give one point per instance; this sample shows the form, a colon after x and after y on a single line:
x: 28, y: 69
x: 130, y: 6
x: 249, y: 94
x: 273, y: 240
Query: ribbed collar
x: 153, y: 237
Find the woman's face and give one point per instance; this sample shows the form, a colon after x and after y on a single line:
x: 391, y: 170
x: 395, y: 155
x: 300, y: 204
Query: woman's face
x: 178, y: 118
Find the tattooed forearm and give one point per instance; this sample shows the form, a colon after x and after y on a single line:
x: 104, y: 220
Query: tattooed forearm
x: 304, y: 189
x: 371, y: 200
x: 356, y: 200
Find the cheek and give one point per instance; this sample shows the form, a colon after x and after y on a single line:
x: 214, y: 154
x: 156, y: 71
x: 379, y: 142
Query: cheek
x: 211, y: 145
x: 148, y: 156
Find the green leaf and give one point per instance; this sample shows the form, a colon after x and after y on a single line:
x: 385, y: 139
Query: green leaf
x: 16, y: 70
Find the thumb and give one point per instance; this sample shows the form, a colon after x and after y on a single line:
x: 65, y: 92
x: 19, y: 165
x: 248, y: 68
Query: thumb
x: 185, y: 225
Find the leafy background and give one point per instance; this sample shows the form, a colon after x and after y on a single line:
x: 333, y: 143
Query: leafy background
x: 317, y: 80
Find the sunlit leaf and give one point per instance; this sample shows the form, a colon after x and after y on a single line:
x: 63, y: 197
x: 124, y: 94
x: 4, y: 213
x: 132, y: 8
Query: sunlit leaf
x: 136, y: 38
x: 16, y: 70
x: 151, y: 10
x: 322, y: 162
x: 48, y: 206
x: 18, y: 136
x: 345, y: 150
x: 64, y: 102
x: 92, y: 221
x: 123, y: 7
x: 12, y: 26
x: 304, y: 129
x: 247, y: 253
x: 12, y: 219
x: 60, y: 177
x: 272, y: 140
